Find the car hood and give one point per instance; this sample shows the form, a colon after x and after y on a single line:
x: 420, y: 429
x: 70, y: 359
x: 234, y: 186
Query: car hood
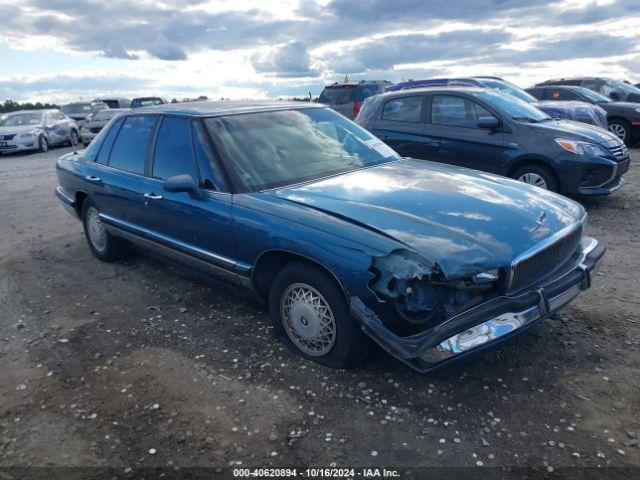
x: 17, y: 129
x: 575, y: 130
x: 463, y: 220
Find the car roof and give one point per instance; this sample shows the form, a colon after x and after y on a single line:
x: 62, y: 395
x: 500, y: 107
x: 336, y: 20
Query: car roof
x: 563, y: 87
x: 217, y: 108
x: 355, y: 84
x: 435, y: 89
x: 39, y: 110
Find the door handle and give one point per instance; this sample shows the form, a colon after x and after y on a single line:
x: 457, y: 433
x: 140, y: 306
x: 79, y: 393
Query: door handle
x: 152, y: 196
x: 91, y: 178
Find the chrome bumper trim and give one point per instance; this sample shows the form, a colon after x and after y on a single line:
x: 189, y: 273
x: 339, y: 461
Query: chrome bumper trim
x: 509, y: 322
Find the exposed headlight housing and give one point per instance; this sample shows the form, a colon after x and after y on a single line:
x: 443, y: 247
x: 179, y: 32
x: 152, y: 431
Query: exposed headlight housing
x: 486, y: 277
x: 582, y: 148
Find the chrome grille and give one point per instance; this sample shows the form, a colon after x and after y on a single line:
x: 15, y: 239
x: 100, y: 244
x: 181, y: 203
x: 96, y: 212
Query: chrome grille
x: 526, y: 271
x: 618, y: 149
x: 7, y: 137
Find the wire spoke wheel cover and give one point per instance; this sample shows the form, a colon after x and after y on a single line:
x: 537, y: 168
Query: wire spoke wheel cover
x: 308, y: 320
x: 95, y: 229
x: 618, y: 130
x: 533, y: 179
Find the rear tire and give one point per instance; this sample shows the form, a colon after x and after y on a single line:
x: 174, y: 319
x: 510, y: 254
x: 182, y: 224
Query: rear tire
x: 103, y: 245
x: 538, y: 176
x: 311, y: 317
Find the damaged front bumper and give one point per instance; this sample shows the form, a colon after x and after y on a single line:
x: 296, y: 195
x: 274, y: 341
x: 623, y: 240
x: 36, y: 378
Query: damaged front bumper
x: 489, y: 323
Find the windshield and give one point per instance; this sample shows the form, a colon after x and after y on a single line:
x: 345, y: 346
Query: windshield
x: 274, y: 149
x: 76, y: 108
x: 593, y: 96
x: 21, y: 119
x: 336, y: 95
x: 625, y: 87
x: 514, y: 107
x: 509, y: 88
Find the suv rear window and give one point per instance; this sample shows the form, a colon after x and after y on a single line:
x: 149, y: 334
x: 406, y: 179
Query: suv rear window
x: 338, y: 94
x: 366, y: 91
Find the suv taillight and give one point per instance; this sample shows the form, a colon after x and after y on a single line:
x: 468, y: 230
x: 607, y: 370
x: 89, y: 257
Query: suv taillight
x: 357, y: 105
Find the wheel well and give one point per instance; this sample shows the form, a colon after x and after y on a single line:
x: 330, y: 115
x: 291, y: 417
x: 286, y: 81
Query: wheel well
x: 530, y: 161
x: 80, y: 197
x: 270, y: 263
x: 618, y: 119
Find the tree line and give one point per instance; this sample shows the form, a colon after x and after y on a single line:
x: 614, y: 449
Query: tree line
x: 12, y: 106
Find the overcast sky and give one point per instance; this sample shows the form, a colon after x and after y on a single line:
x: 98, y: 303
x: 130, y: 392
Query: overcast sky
x: 62, y: 50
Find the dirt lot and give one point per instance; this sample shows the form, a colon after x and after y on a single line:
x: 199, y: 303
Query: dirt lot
x: 135, y: 364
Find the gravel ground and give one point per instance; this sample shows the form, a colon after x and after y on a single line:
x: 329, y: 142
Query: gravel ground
x: 135, y: 364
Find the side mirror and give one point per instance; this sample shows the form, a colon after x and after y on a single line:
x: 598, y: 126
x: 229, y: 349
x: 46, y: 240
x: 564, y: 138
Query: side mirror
x: 490, y: 123
x: 614, y: 95
x: 183, y: 183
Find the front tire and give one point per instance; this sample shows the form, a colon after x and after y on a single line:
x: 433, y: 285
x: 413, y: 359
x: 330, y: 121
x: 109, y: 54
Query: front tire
x: 621, y: 129
x: 73, y: 138
x: 311, y: 317
x: 539, y: 176
x: 43, y: 144
x: 103, y: 245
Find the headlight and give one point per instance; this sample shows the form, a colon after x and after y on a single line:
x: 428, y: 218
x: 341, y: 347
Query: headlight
x: 582, y: 148
x: 27, y: 134
x: 638, y: 109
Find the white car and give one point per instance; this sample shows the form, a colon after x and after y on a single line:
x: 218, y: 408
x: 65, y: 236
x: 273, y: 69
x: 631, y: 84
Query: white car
x: 36, y: 130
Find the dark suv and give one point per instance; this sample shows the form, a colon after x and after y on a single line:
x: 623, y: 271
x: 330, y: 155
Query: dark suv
x: 623, y: 117
x: 498, y: 133
x: 347, y: 98
x: 614, y: 89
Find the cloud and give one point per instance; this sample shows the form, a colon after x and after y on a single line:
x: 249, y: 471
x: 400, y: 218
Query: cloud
x: 290, y: 61
x: 164, y: 49
x: 277, y: 48
x: 62, y: 85
x: 116, y: 50
x: 590, y: 45
x: 390, y: 51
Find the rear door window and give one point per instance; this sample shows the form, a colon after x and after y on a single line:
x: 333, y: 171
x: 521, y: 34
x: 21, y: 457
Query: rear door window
x: 456, y: 111
x: 105, y: 147
x: 563, y: 95
x: 130, y: 148
x: 174, y: 153
x: 403, y: 109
